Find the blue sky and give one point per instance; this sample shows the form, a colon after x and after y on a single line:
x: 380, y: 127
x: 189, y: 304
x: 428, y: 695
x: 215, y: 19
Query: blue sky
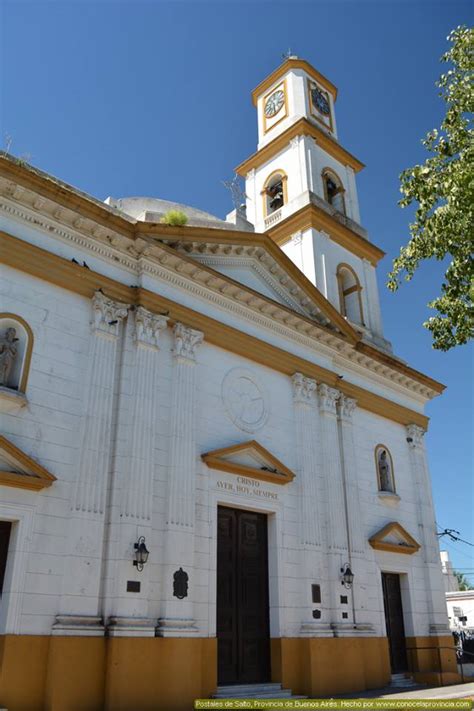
x: 153, y: 98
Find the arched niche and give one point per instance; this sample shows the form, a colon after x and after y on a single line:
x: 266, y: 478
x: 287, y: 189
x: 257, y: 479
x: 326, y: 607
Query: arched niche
x: 350, y: 294
x: 384, y: 468
x: 16, y: 347
x: 334, y: 190
x: 274, y: 192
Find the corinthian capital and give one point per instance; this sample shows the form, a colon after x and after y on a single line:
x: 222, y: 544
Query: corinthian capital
x: 415, y: 435
x: 347, y: 405
x: 148, y: 327
x: 303, y: 388
x: 328, y: 398
x: 107, y: 314
x: 186, y: 341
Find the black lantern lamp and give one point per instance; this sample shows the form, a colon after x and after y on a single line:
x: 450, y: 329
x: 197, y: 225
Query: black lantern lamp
x: 347, y: 576
x: 141, y: 553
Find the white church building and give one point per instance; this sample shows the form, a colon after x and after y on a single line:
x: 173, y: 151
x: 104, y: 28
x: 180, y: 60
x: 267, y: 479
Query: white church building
x: 212, y: 465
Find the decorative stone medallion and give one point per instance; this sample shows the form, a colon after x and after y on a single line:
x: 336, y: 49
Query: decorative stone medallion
x: 245, y: 400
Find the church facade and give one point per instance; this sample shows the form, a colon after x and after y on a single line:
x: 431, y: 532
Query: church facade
x: 212, y: 464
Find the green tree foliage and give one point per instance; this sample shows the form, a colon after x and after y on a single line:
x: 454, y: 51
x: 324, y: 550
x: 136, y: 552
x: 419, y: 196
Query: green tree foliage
x: 174, y: 217
x: 463, y: 582
x: 443, y: 188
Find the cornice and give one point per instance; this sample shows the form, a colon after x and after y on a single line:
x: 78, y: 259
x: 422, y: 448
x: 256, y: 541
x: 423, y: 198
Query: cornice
x: 302, y: 127
x: 284, y: 68
x: 313, y: 216
x: 126, y: 252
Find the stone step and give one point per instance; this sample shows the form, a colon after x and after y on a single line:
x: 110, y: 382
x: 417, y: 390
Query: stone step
x: 247, y: 688
x: 254, y: 691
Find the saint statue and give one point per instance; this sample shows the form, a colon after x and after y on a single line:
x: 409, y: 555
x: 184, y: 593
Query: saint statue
x: 8, y: 354
x: 385, y: 475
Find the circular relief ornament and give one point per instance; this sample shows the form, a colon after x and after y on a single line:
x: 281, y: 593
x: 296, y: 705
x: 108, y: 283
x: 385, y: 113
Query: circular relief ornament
x: 244, y: 400
x: 274, y: 103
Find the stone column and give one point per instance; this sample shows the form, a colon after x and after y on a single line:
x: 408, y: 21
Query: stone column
x: 357, y: 545
x: 132, y: 517
x: 82, y: 576
x: 137, y: 494
x: 434, y: 587
x: 177, y: 618
x: 306, y: 446
x: 311, y: 509
x: 336, y: 518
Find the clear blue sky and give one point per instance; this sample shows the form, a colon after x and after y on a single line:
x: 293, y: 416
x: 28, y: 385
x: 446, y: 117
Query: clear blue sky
x: 135, y: 98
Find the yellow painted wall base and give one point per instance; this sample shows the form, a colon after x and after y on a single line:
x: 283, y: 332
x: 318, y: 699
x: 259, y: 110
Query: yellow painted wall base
x: 312, y: 666
x: 145, y: 674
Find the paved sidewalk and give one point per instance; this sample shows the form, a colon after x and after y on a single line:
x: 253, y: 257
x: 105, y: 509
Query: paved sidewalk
x: 456, y: 691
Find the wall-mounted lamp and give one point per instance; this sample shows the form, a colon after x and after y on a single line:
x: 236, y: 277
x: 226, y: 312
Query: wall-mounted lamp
x: 141, y: 553
x: 347, y: 576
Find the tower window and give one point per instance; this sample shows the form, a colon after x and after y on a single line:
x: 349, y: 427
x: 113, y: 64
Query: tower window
x: 334, y: 190
x: 350, y: 292
x: 274, y: 192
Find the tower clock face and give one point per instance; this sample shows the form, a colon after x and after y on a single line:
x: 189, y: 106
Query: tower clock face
x: 274, y: 103
x: 320, y: 101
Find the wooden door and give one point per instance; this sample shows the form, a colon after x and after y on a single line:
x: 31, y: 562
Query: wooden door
x: 242, y: 597
x: 392, y: 600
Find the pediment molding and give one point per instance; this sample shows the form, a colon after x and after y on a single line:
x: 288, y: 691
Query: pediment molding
x: 19, y: 470
x: 79, y: 224
x: 249, y: 459
x: 393, y: 538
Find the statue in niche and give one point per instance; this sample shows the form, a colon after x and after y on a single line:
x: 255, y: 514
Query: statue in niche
x: 385, y: 474
x: 8, y: 355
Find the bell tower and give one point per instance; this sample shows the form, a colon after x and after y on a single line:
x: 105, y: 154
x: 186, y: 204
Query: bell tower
x: 301, y: 190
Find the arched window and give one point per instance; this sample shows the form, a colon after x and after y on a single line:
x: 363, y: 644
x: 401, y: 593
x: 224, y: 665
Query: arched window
x: 350, y: 294
x: 384, y: 466
x: 334, y: 190
x: 274, y: 192
x: 16, y: 345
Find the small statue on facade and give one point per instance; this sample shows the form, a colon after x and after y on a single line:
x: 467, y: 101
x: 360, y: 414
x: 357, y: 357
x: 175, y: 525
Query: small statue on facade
x: 385, y: 474
x: 8, y: 355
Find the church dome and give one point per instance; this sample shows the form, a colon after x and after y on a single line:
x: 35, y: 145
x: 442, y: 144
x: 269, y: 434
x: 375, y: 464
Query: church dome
x: 148, y: 209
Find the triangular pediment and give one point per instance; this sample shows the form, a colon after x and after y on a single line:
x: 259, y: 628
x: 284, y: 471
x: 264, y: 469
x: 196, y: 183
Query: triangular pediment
x: 249, y: 459
x: 20, y: 470
x: 257, y: 265
x: 249, y: 272
x: 395, y: 539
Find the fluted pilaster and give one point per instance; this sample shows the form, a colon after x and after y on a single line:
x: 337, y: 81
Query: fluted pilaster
x: 304, y: 390
x: 347, y: 405
x: 337, y: 536
x: 95, y: 444
x: 421, y: 476
x: 181, y: 480
x: 137, y: 498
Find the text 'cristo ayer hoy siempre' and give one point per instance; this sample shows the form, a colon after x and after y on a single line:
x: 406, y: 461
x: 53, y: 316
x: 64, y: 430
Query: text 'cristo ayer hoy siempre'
x: 249, y: 487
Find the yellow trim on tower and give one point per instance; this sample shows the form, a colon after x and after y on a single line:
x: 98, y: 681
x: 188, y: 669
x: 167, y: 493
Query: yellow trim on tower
x: 287, y: 66
x: 284, y: 180
x: 303, y: 127
x: 313, y: 111
x: 314, y: 216
x: 266, y: 128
